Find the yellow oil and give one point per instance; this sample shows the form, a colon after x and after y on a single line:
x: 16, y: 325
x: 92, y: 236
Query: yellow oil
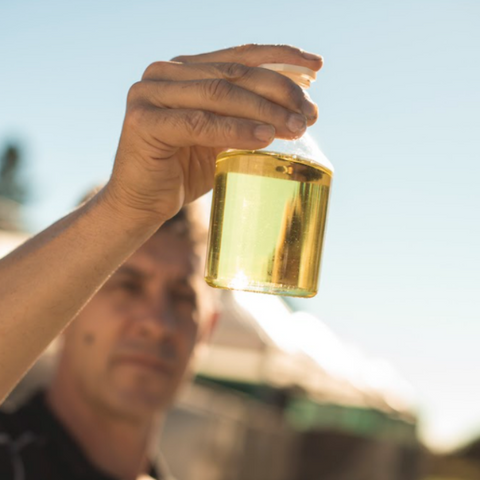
x: 267, y: 223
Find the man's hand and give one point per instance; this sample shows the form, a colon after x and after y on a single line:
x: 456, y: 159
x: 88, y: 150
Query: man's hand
x: 184, y: 112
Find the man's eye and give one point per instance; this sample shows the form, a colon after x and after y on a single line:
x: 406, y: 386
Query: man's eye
x: 131, y: 287
x: 184, y: 297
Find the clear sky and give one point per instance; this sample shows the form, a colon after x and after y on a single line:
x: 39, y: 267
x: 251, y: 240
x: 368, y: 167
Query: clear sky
x: 399, y: 101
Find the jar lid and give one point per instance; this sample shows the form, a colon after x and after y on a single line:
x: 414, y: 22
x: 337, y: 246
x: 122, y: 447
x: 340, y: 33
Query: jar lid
x: 302, y: 76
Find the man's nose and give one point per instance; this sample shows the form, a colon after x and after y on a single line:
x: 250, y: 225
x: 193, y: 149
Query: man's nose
x: 156, y: 319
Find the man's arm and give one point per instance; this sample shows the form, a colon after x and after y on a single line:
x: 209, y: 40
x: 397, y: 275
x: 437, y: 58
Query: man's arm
x: 178, y: 118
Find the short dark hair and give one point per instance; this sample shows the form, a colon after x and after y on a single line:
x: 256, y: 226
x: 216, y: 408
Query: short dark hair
x: 188, y: 222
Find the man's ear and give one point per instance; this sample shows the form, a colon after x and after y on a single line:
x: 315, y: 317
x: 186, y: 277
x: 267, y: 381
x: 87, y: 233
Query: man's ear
x: 209, y: 327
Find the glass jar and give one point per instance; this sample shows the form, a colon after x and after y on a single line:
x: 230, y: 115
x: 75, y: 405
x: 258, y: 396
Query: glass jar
x: 268, y: 215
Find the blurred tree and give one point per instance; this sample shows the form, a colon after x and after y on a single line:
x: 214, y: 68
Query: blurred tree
x: 13, y: 190
x: 11, y: 186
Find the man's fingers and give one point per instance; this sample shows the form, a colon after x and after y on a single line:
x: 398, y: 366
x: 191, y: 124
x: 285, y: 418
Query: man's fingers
x: 220, y: 97
x: 265, y: 83
x: 163, y: 128
x: 254, y: 55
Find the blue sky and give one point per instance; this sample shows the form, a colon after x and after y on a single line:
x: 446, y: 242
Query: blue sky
x: 399, y: 103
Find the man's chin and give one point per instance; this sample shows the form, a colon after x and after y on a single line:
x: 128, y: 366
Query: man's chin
x: 139, y: 401
x: 140, y: 392
x: 137, y: 405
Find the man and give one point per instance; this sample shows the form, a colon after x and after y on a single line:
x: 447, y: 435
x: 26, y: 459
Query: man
x: 121, y: 363
x: 126, y: 352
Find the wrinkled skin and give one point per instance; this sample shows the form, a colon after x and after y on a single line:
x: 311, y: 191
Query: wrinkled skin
x: 183, y: 112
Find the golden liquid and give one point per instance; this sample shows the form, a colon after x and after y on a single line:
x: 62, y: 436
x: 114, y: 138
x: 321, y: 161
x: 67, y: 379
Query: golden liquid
x: 267, y: 223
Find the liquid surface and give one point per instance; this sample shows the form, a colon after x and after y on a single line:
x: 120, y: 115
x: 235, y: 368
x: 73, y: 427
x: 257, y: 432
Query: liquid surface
x: 267, y: 223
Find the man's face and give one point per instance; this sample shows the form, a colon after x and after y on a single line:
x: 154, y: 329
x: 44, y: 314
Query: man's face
x: 129, y: 348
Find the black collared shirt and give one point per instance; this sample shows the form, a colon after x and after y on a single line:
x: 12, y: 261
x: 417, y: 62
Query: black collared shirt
x: 34, y: 445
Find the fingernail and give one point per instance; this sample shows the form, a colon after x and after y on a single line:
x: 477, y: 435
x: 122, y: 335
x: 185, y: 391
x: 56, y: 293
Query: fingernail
x: 309, y: 109
x: 296, y: 123
x: 264, y: 132
x: 312, y: 56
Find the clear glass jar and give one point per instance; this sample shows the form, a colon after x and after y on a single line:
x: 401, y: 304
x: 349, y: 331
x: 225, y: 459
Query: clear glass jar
x: 268, y: 215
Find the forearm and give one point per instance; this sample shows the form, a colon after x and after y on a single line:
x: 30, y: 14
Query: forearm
x: 46, y: 281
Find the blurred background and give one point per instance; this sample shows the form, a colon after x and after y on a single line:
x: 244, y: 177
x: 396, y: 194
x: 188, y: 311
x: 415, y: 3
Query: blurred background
x: 379, y: 368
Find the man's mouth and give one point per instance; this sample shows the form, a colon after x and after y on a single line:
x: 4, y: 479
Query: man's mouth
x: 148, y: 362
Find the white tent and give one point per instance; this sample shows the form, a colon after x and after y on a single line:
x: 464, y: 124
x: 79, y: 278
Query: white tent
x: 260, y: 341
